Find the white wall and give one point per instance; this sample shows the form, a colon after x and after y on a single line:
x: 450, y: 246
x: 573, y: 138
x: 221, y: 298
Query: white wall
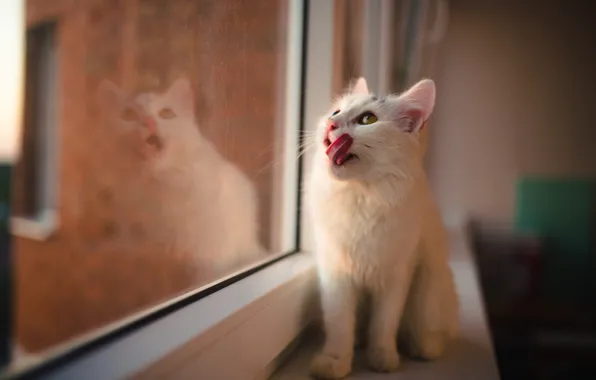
x: 516, y: 95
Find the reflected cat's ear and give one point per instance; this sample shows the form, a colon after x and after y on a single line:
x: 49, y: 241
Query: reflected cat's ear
x: 181, y: 96
x: 360, y: 87
x: 415, y: 106
x: 109, y: 95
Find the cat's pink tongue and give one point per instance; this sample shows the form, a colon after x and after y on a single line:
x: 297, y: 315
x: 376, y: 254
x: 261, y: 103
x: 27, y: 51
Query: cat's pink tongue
x: 338, y: 151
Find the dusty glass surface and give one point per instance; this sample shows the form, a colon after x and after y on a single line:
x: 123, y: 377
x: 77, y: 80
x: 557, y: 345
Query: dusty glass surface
x: 150, y: 140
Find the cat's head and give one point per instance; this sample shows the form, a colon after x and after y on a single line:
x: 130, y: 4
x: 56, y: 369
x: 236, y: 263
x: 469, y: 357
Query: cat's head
x: 367, y: 137
x: 161, y: 127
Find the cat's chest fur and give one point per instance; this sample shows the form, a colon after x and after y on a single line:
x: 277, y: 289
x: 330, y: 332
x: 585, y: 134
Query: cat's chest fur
x: 365, y: 231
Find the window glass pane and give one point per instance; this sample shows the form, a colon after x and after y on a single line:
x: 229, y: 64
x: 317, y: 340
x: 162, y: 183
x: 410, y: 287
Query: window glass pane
x: 152, y: 156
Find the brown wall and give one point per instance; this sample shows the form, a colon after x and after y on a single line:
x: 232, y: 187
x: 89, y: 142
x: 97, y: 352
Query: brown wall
x: 515, y: 97
x: 233, y: 52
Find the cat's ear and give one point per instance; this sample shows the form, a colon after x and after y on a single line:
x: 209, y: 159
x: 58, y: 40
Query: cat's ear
x: 416, y: 105
x: 360, y: 87
x: 181, y: 96
x: 109, y: 95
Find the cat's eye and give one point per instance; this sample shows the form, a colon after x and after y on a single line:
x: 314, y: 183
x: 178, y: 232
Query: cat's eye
x: 167, y: 113
x: 129, y: 115
x: 335, y: 112
x: 367, y: 118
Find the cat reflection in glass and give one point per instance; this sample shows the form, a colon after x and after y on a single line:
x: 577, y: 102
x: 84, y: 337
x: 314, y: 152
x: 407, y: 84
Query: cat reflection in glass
x: 206, y: 205
x: 380, y: 244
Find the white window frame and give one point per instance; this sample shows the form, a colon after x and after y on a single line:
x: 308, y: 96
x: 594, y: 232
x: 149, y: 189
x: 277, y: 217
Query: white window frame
x: 199, y: 339
x: 45, y: 221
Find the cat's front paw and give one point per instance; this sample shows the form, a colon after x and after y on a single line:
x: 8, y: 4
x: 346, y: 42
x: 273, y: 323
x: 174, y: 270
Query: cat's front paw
x: 383, y: 359
x: 329, y: 367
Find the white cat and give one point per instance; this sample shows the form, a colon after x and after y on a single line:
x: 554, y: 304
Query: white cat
x: 378, y: 232
x: 206, y: 204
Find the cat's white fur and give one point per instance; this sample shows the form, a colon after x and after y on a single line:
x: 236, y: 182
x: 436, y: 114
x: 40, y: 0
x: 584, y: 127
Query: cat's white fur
x: 207, y: 205
x: 379, y: 235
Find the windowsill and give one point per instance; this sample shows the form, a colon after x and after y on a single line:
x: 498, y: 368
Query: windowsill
x: 37, y: 228
x: 202, y: 336
x: 470, y: 357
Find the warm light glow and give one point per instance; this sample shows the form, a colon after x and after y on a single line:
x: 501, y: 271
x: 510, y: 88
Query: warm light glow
x: 11, y: 66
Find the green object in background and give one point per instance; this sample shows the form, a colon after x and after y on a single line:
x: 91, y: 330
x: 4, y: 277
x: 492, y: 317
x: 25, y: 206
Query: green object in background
x: 564, y: 212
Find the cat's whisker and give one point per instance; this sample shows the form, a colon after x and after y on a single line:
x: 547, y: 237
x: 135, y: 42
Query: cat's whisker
x: 268, y: 149
x: 302, y: 149
x: 305, y: 148
x: 305, y: 143
x: 300, y: 155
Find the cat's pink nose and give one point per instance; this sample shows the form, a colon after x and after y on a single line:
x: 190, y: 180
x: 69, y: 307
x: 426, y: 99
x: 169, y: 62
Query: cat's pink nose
x: 331, y: 126
x: 150, y: 124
